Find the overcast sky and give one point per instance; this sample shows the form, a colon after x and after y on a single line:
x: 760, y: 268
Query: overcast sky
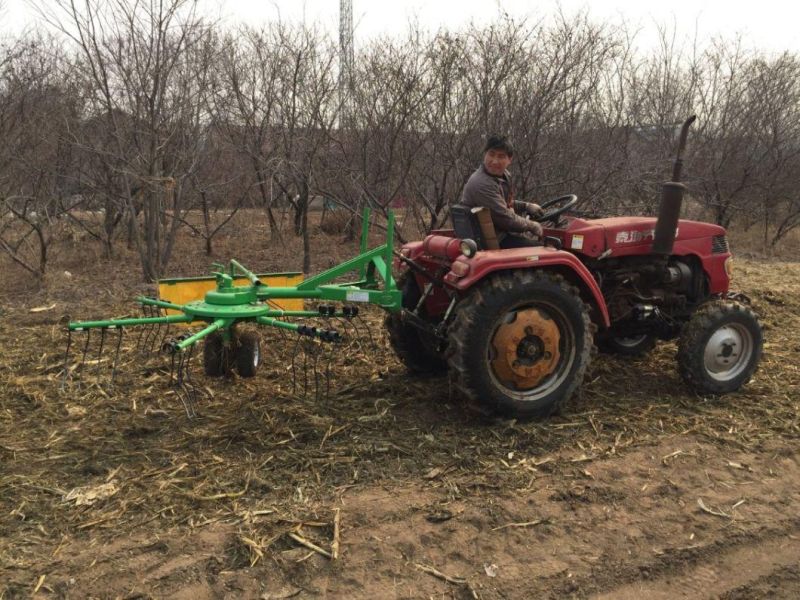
x: 769, y: 25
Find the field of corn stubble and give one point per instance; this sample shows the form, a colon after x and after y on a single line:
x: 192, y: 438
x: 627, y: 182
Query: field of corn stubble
x: 383, y: 486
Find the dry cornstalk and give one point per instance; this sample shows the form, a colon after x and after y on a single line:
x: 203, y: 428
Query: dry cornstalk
x: 310, y: 545
x: 335, y: 544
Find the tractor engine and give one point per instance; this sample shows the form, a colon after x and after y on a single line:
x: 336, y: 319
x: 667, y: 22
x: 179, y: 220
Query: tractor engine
x: 647, y: 296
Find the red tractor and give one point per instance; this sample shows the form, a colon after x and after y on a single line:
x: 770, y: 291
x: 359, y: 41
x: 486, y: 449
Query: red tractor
x: 516, y: 328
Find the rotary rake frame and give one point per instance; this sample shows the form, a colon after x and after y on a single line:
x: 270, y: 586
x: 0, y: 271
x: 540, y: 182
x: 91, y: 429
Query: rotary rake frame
x: 227, y: 307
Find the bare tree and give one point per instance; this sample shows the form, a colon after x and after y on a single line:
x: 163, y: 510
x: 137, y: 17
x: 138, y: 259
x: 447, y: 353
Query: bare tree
x: 143, y: 84
x: 37, y: 107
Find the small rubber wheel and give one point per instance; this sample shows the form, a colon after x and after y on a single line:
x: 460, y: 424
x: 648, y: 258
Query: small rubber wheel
x: 248, y: 353
x: 214, y: 355
x: 416, y: 350
x: 720, y: 347
x: 637, y: 345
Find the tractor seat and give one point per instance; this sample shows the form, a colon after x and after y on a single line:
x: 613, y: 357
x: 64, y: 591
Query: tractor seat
x: 467, y: 225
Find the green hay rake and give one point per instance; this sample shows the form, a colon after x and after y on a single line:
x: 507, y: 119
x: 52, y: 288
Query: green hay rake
x: 223, y: 312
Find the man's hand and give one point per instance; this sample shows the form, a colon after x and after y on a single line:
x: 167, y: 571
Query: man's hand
x: 534, y: 210
x: 535, y: 229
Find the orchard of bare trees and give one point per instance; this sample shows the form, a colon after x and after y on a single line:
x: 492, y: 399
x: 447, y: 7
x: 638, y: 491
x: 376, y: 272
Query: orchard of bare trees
x: 123, y: 119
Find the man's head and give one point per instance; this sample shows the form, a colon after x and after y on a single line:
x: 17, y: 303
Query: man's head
x: 497, y: 154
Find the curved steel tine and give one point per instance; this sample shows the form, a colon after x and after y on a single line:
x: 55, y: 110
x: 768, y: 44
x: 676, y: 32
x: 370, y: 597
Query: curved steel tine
x: 317, y: 351
x: 141, y: 329
x: 165, y: 337
x: 294, y: 367
x: 151, y: 328
x: 66, y: 360
x: 350, y: 339
x: 184, y: 389
x: 100, y: 350
x: 305, y: 370
x: 159, y: 313
x: 85, y: 347
x: 144, y: 331
x: 172, y: 373
x: 116, y: 355
x: 357, y: 335
x: 366, y: 326
x: 329, y: 359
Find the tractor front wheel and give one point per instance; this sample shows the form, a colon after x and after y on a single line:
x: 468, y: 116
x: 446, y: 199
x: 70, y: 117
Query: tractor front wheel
x: 720, y: 347
x: 520, y: 344
x: 418, y: 351
x: 248, y: 353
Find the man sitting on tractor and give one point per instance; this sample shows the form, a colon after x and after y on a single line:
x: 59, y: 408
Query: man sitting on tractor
x: 490, y: 187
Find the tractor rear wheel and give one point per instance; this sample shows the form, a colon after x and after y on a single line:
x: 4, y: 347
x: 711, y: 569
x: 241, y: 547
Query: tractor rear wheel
x: 720, y: 347
x: 520, y: 344
x: 214, y: 355
x: 416, y: 350
x: 637, y: 345
x: 248, y: 353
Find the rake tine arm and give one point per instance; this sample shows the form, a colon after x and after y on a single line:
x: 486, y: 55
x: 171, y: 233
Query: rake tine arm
x: 237, y: 266
x: 145, y: 300
x: 323, y: 334
x: 193, y: 339
x: 114, y: 323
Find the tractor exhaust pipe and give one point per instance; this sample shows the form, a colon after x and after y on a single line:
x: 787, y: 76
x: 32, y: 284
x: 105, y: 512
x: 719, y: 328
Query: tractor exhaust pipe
x: 669, y: 209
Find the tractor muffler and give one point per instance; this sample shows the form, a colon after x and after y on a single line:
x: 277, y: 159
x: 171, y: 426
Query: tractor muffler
x: 669, y: 210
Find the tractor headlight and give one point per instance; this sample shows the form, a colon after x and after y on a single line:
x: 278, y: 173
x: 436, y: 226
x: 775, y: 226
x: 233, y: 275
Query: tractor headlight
x: 468, y: 248
x: 729, y: 267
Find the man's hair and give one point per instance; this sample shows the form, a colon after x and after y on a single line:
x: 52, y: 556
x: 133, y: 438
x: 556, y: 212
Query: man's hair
x: 499, y: 142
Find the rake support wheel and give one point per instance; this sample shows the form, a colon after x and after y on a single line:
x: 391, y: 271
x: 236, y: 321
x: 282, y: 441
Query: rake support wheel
x: 415, y: 350
x: 520, y: 344
x: 214, y: 355
x: 248, y: 353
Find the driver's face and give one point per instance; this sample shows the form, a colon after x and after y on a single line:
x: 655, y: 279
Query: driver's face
x: 496, y: 161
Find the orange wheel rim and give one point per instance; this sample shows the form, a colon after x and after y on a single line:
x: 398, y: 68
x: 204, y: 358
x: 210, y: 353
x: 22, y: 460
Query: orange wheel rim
x: 525, y: 349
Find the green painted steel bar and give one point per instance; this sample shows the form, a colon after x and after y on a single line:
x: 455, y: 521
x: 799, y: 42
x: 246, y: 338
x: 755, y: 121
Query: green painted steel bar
x: 218, y: 324
x: 269, y: 293
x: 380, y: 266
x: 389, y: 256
x: 364, y: 239
x: 157, y: 302
x: 300, y: 313
x: 235, y: 264
x: 341, y: 269
x: 276, y: 323
x: 112, y: 323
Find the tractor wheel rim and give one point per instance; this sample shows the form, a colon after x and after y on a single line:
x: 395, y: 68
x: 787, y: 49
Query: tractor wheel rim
x: 632, y: 341
x: 728, y: 352
x: 525, y: 351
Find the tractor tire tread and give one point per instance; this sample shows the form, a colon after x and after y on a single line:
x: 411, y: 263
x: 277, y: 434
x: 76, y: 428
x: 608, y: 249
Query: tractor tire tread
x: 463, y: 378
x: 405, y: 341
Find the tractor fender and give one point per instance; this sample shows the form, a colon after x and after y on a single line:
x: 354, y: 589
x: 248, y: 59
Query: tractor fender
x: 472, y: 270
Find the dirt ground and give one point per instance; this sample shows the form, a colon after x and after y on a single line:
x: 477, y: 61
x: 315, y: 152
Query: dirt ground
x: 639, y: 489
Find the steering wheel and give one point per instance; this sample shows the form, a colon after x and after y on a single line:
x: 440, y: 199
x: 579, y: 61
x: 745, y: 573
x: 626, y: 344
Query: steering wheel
x: 566, y: 202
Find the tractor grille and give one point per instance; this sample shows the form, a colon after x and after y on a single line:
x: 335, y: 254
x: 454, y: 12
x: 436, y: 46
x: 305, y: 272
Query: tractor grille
x: 719, y: 244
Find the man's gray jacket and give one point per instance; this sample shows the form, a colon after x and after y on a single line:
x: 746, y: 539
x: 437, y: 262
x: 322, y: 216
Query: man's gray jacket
x: 496, y: 194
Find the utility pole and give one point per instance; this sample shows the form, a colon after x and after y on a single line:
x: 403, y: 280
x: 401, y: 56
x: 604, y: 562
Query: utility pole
x: 346, y: 59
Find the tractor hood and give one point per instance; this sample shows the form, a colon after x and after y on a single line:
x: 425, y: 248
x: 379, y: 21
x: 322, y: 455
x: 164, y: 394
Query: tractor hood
x: 625, y: 236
